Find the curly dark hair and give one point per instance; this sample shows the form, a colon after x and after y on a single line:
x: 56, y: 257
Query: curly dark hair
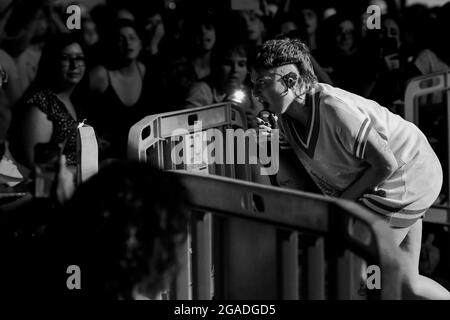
x: 123, y: 228
x: 49, y: 61
x: 279, y: 52
x: 224, y: 49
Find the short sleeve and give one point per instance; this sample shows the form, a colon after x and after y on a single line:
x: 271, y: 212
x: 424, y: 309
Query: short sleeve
x: 40, y: 100
x: 352, y: 126
x: 200, y: 94
x: 47, y: 102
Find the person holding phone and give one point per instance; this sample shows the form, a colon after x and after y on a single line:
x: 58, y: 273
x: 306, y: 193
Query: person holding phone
x: 385, y: 77
x: 227, y: 81
x: 120, y: 91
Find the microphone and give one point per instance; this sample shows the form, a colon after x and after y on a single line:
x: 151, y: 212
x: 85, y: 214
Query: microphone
x: 269, y: 119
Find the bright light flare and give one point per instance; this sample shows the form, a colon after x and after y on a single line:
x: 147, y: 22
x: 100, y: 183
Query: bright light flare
x: 238, y: 96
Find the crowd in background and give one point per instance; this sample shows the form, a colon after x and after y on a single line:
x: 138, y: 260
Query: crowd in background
x: 135, y: 58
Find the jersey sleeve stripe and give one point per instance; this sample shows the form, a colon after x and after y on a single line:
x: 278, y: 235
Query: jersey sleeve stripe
x: 395, y: 219
x: 361, y: 134
x: 364, y: 141
x: 361, y: 129
x: 385, y: 209
x: 375, y: 207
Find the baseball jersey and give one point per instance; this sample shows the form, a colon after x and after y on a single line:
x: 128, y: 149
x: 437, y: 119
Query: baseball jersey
x: 332, y: 149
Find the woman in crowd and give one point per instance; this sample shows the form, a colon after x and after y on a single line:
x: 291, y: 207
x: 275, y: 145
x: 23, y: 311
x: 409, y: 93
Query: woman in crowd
x: 227, y: 81
x: 385, y: 76
x: 308, y: 25
x: 338, y: 53
x: 194, y: 64
x: 118, y: 91
x: 48, y: 112
x: 203, y: 37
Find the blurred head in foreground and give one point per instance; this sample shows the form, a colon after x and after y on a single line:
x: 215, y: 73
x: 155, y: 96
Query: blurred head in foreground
x: 123, y: 228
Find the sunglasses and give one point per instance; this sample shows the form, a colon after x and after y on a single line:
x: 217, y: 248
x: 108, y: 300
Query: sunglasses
x: 288, y: 79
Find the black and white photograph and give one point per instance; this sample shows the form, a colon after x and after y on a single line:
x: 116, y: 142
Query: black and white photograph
x: 218, y: 157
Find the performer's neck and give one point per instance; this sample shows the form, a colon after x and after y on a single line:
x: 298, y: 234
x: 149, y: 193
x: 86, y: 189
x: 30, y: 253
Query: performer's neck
x: 299, y: 110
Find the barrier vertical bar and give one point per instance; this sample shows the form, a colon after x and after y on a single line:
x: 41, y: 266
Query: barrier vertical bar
x: 347, y: 280
x: 183, y: 279
x: 289, y: 266
x: 315, y: 270
x: 201, y: 256
x: 220, y: 272
x: 345, y: 277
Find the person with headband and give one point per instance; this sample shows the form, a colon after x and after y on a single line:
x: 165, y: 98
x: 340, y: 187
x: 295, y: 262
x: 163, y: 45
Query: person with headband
x: 354, y: 149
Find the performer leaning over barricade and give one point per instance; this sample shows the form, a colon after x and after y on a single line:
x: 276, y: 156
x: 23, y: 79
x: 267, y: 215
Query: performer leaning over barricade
x: 353, y: 148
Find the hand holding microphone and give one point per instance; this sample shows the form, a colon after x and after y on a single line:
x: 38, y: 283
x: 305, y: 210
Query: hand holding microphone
x: 266, y: 122
x: 239, y: 97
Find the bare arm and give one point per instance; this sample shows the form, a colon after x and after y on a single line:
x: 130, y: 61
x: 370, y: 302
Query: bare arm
x: 382, y: 164
x: 36, y: 129
x: 65, y: 186
x: 199, y: 94
x: 98, y: 79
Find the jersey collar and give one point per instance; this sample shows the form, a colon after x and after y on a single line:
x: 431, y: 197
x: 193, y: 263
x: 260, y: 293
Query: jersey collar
x: 308, y: 143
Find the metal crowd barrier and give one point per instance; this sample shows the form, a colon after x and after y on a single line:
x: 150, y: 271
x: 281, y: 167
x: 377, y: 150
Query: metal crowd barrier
x: 245, y: 240
x: 304, y: 249
x: 425, y: 85
x: 87, y: 152
x: 155, y: 137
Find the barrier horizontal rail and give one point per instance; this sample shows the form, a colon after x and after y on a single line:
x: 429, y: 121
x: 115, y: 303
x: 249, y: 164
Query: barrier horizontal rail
x: 292, y: 212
